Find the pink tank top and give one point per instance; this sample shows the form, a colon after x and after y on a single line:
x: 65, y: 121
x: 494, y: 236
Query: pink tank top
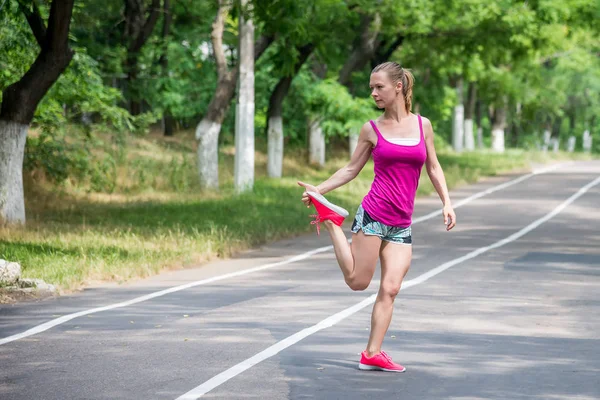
x: 397, y: 170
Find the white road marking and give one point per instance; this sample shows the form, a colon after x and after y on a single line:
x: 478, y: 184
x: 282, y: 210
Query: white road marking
x: 65, y: 318
x: 491, y: 190
x: 232, y: 372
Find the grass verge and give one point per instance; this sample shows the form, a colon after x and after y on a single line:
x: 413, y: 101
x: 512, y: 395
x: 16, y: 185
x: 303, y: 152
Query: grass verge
x: 74, y: 238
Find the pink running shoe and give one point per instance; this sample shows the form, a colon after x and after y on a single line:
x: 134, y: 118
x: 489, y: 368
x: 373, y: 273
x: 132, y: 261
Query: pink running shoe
x: 379, y: 362
x: 326, y: 211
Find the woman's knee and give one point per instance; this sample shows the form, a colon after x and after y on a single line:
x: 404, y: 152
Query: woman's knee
x: 390, y: 289
x: 357, y: 284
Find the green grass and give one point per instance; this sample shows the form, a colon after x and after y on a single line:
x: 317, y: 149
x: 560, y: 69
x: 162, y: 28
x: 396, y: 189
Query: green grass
x: 74, y: 238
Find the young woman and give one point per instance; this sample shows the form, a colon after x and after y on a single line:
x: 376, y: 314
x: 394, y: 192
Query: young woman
x: 400, y: 143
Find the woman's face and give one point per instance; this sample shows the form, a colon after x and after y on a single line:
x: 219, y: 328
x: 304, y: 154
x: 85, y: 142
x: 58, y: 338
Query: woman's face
x: 383, y: 90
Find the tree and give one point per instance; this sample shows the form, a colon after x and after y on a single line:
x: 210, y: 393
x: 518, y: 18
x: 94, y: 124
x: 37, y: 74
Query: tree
x: 469, y: 114
x: 164, y: 62
x: 20, y: 100
x: 458, y: 119
x: 244, y: 112
x: 207, y: 131
x: 137, y: 31
x: 305, y: 30
x: 275, y: 115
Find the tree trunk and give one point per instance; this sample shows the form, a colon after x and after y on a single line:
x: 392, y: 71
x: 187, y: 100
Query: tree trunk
x: 587, y: 135
x: 275, y: 113
x: 20, y: 100
x: 557, y: 124
x: 275, y: 161
x: 571, y: 144
x: 168, y: 123
x: 12, y: 147
x: 316, y: 138
x: 514, y: 134
x: 498, y: 127
x: 137, y: 31
x: 385, y: 50
x: 364, y: 50
x: 572, y: 121
x: 244, y: 113
x: 555, y: 141
x: 546, y: 136
x: 478, y: 123
x: 316, y: 143
x: 587, y: 141
x: 458, y: 118
x: 207, y: 134
x: 131, y: 65
x: 207, y: 131
x: 164, y: 62
x: 469, y: 114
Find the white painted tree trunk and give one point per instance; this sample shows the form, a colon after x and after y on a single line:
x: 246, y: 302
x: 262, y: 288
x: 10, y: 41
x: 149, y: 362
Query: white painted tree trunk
x: 555, y: 144
x: 244, y: 111
x: 317, y: 143
x: 207, y: 135
x: 571, y: 144
x: 353, y: 140
x: 479, y: 137
x: 499, y: 125
x: 587, y: 141
x: 498, y: 140
x: 546, y: 140
x: 469, y: 136
x: 275, y: 162
x: 457, y: 128
x: 12, y: 149
x: 458, y: 119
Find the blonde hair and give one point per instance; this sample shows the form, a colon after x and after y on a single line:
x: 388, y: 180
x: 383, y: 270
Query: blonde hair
x: 399, y: 74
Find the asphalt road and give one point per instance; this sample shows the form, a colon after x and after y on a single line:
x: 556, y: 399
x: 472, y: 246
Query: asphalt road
x: 506, y: 306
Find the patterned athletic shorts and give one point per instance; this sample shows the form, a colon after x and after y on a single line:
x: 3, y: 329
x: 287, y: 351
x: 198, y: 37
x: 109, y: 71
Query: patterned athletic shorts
x: 371, y: 227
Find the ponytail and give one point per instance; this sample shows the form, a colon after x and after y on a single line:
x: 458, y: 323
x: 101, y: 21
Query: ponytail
x: 408, y: 81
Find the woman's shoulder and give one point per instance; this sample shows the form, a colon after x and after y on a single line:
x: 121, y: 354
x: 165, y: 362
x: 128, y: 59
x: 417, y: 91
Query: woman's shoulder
x: 368, y: 126
x: 424, y: 119
x: 427, y: 127
x: 367, y: 132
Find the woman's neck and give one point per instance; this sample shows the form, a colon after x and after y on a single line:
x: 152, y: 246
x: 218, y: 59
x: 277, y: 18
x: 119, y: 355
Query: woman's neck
x: 397, y: 112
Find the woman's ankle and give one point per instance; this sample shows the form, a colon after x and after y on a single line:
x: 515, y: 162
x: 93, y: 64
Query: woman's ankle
x: 372, y: 351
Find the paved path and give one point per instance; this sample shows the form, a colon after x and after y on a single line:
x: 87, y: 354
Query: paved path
x: 501, y: 319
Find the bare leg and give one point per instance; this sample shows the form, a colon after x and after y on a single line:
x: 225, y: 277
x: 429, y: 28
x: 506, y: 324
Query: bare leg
x: 395, y: 262
x: 357, y: 261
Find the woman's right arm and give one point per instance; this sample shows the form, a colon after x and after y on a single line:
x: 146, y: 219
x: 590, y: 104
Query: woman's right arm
x: 357, y: 162
x: 366, y: 140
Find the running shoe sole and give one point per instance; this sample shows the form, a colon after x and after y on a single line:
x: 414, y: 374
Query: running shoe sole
x: 366, y: 367
x: 321, y: 199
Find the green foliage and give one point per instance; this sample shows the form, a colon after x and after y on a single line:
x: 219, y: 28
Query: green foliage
x: 340, y: 111
x: 75, y: 162
x: 79, y: 90
x: 18, y: 49
x: 542, y: 56
x: 50, y: 155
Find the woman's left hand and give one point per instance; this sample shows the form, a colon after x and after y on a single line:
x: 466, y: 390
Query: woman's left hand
x: 449, y: 217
